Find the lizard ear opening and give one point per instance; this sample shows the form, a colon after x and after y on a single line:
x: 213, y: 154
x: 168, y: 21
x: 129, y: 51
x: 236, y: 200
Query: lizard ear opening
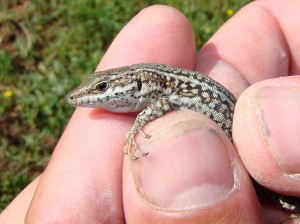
x: 139, y: 84
x: 102, y: 86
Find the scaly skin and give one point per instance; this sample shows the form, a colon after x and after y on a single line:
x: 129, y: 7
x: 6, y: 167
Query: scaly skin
x: 153, y: 90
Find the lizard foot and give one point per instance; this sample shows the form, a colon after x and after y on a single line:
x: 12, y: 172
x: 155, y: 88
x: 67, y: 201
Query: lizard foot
x: 137, y: 153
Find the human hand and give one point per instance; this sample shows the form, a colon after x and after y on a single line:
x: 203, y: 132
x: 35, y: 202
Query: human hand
x: 193, y: 173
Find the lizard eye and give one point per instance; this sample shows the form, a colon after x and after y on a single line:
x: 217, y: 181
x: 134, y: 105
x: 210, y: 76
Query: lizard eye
x: 102, y: 86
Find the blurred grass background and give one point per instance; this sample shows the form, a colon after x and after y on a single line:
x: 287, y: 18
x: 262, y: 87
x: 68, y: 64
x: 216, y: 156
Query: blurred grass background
x: 49, y: 47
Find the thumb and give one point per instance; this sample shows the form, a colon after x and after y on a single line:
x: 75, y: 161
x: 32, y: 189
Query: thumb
x: 192, y: 173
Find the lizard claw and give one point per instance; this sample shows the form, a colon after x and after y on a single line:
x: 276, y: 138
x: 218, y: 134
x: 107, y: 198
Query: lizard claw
x: 137, y: 152
x: 143, y: 133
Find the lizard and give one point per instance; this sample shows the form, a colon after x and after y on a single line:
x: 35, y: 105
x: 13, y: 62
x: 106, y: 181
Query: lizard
x: 155, y: 89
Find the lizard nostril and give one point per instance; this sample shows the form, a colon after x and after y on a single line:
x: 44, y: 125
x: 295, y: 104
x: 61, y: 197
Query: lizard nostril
x: 71, y: 96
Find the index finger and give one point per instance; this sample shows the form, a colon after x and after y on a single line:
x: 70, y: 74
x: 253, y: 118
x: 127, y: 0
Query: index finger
x: 83, y: 179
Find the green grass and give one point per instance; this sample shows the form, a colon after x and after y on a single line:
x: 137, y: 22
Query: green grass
x: 47, y: 48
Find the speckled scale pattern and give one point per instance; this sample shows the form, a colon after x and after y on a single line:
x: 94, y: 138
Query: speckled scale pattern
x: 190, y: 90
x: 153, y: 90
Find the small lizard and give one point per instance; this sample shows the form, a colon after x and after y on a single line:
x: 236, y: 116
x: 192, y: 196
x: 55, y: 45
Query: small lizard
x: 155, y: 89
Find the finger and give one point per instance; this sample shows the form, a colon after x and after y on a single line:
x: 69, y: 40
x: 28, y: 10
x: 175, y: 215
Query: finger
x: 83, y: 179
x: 17, y: 209
x: 153, y: 39
x: 271, y: 127
x: 192, y: 173
x: 257, y: 43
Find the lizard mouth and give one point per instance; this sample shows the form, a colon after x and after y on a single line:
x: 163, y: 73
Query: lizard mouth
x: 81, y: 101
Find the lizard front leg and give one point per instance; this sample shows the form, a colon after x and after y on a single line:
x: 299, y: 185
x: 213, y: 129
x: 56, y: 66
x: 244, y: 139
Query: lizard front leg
x: 153, y: 111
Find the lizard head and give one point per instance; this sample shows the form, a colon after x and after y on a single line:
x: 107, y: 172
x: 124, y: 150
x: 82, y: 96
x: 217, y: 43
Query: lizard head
x: 116, y: 90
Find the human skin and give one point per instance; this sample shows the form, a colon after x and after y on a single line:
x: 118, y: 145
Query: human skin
x: 193, y: 174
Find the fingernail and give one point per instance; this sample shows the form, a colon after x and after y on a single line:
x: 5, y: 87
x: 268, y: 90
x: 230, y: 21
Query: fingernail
x: 278, y: 109
x: 188, y: 166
